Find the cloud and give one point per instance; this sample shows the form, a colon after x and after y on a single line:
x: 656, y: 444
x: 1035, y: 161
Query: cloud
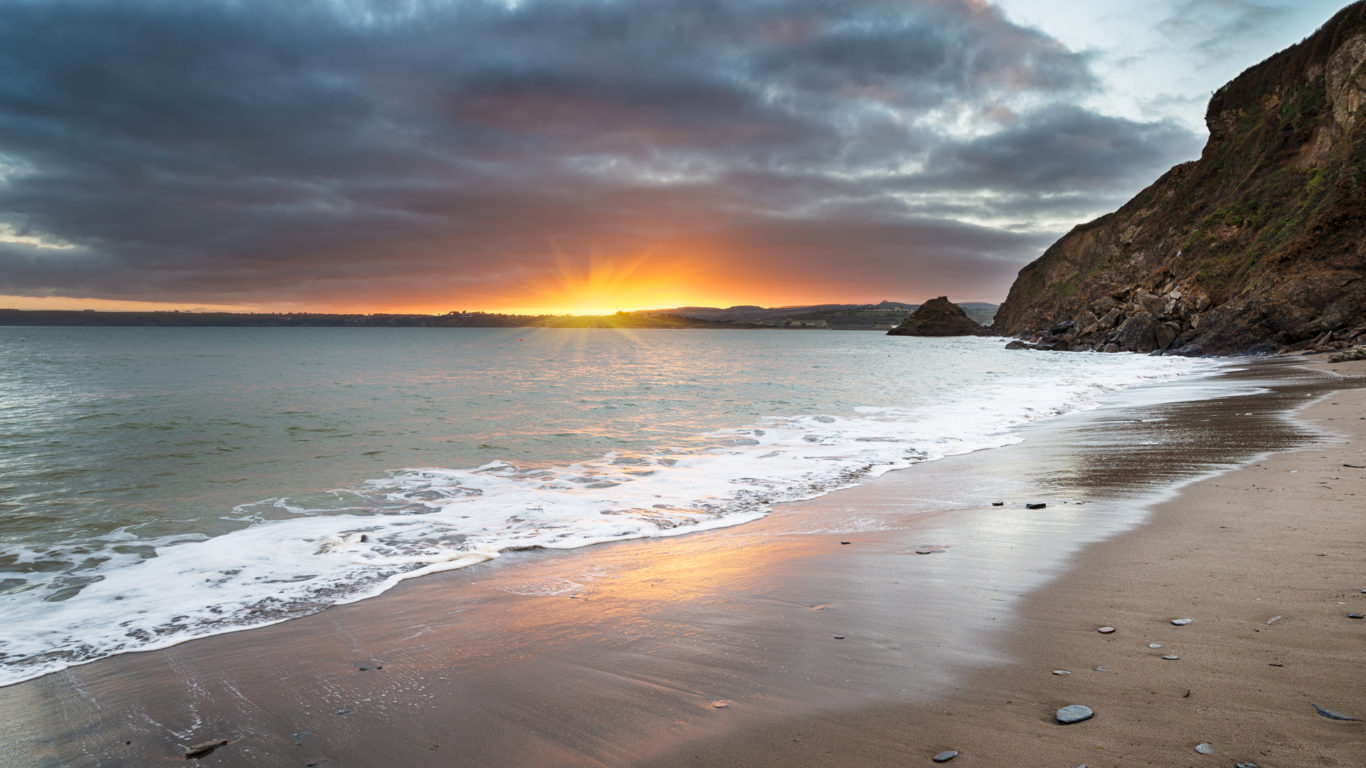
x: 313, y: 152
x: 1220, y: 29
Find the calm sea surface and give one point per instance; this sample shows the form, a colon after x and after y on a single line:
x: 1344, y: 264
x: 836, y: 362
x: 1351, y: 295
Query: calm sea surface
x: 162, y: 484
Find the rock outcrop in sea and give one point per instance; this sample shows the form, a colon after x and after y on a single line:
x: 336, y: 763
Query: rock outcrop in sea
x: 939, y: 317
x: 1258, y: 246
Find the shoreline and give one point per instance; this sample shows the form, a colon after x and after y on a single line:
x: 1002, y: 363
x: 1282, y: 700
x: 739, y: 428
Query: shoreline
x: 1270, y: 639
x: 548, y: 659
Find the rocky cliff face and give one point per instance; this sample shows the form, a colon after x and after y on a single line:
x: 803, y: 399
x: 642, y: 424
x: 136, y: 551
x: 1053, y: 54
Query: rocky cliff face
x: 939, y: 317
x: 1258, y: 246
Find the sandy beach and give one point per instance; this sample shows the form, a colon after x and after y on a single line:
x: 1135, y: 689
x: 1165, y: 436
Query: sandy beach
x: 879, y: 625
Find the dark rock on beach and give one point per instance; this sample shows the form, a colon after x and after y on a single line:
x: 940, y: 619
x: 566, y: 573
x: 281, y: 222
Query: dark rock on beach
x: 203, y: 748
x: 1257, y: 247
x: 944, y: 757
x: 939, y: 317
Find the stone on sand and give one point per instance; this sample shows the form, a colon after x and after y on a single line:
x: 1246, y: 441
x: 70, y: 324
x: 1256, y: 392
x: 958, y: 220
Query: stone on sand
x: 1073, y: 713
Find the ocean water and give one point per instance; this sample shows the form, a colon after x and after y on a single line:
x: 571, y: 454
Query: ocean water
x: 159, y: 484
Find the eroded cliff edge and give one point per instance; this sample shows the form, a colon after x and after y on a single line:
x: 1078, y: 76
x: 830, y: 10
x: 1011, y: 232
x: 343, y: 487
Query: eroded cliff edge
x: 1258, y: 246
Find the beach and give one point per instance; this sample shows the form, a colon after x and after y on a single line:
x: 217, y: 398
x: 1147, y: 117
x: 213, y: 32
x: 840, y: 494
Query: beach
x: 876, y: 625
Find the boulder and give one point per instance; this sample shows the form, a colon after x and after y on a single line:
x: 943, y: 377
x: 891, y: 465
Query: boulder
x: 1138, y: 334
x: 939, y: 317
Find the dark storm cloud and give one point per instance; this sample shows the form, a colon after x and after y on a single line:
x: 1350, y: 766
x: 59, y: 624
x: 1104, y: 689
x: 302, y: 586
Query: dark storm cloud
x: 271, y: 152
x: 1061, y: 147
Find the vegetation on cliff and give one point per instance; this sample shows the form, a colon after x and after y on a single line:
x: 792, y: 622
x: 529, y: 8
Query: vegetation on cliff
x: 1258, y: 246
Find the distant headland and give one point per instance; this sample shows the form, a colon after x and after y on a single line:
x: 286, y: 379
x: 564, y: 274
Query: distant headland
x: 879, y: 317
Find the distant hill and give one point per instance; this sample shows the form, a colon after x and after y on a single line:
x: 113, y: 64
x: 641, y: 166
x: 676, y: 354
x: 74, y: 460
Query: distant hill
x: 1258, y: 246
x: 880, y: 317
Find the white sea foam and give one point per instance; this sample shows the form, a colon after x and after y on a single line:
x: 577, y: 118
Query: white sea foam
x: 155, y: 593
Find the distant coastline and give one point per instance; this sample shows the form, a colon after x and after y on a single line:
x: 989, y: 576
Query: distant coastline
x: 871, y: 317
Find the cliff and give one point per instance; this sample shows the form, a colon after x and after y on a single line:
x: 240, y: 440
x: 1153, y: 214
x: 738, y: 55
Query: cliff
x: 939, y: 317
x: 1258, y: 246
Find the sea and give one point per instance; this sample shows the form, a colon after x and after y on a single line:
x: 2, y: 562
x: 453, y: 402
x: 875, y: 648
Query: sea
x: 163, y: 484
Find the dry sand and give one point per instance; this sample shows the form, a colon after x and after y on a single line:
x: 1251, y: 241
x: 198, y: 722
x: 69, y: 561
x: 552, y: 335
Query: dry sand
x: 834, y: 653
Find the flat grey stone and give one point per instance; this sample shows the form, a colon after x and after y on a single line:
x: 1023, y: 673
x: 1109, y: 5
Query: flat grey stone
x: 1154, y: 645
x: 1181, y: 622
x: 1204, y: 749
x: 1246, y: 765
x: 1061, y: 672
x: 1074, y: 713
x: 1356, y: 615
x: 1106, y: 630
x: 944, y: 757
x: 1171, y: 657
x: 1035, y: 505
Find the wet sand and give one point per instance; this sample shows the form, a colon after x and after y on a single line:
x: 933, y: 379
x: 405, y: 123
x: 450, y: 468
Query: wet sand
x: 833, y: 653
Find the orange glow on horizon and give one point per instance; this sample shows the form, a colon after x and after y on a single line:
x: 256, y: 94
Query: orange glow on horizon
x: 602, y: 285
x: 699, y: 274
x: 69, y: 303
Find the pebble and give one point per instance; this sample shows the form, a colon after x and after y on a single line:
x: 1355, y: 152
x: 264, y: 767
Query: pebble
x: 1061, y: 672
x: 1106, y: 630
x: 1204, y: 749
x: 1356, y: 615
x: 1331, y: 715
x: 1101, y: 669
x: 1274, y: 619
x: 1171, y: 657
x: 203, y: 748
x: 343, y: 711
x: 1154, y: 645
x: 944, y: 757
x: 722, y: 703
x: 998, y: 503
x: 1074, y: 713
x: 1035, y: 505
x: 838, y: 637
x: 1181, y: 622
x: 1246, y: 765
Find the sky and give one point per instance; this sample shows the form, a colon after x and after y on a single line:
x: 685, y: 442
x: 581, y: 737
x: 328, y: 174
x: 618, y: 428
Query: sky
x: 585, y: 156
